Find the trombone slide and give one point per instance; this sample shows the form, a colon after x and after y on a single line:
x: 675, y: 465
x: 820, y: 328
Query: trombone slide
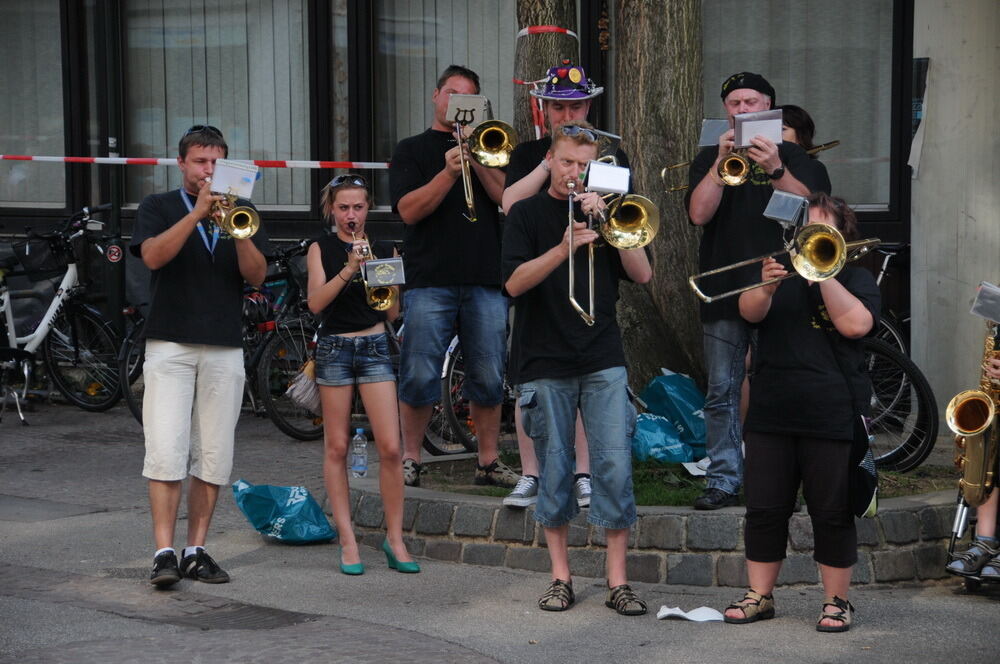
x: 587, y: 316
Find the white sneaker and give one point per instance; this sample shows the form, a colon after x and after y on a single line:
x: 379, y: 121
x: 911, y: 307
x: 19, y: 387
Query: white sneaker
x: 525, y: 492
x: 582, y: 490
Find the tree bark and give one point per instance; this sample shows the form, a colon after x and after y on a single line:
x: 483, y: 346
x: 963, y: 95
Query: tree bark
x: 658, y: 104
x: 536, y: 53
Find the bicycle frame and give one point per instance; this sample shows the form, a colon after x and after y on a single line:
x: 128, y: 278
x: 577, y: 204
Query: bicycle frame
x: 32, y: 341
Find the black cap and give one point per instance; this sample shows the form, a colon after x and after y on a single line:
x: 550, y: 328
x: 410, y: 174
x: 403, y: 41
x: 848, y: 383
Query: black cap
x: 750, y: 81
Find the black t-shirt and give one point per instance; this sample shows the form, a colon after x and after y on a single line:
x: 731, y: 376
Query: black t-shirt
x: 798, y: 387
x: 349, y: 311
x: 196, y: 298
x: 526, y: 156
x: 550, y: 340
x: 739, y: 229
x: 444, y: 248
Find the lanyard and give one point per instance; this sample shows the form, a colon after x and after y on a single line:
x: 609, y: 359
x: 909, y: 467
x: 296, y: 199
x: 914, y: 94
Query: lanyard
x: 201, y: 229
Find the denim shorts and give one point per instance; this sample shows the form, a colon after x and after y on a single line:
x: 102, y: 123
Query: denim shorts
x: 353, y: 360
x: 548, y: 413
x: 432, y: 314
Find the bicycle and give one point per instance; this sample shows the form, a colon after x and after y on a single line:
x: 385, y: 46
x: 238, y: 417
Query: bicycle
x: 78, y: 345
x: 893, y: 329
x: 277, y: 337
x: 904, y: 420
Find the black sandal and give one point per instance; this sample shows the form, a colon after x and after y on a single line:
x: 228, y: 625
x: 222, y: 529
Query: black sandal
x: 844, y: 615
x: 754, y: 607
x: 558, y: 597
x: 624, y: 600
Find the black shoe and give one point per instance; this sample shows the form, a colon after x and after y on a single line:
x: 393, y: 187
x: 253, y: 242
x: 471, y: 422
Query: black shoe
x: 713, y: 499
x: 201, y: 567
x: 165, y: 572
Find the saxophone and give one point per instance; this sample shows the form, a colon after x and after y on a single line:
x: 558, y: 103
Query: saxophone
x: 970, y: 415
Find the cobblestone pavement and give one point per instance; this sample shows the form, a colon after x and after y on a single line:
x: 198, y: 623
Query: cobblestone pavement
x: 75, y: 550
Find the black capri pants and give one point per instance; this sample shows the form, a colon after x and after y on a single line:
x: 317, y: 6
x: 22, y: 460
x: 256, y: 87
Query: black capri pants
x: 775, y: 465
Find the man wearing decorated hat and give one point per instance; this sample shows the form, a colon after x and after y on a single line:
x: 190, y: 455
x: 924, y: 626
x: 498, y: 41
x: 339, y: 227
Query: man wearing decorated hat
x: 566, y: 97
x: 735, y: 229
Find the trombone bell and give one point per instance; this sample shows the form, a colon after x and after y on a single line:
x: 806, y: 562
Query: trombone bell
x: 491, y: 143
x: 735, y: 168
x: 633, y: 224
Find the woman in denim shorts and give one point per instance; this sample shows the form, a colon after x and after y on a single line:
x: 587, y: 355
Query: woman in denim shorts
x: 353, y: 350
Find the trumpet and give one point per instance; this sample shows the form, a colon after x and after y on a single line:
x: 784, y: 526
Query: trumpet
x: 239, y: 221
x: 818, y: 252
x: 379, y: 298
x: 681, y: 187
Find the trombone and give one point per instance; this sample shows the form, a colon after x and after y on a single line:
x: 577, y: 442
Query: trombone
x: 681, y: 187
x: 818, y: 253
x: 490, y: 145
x: 630, y: 222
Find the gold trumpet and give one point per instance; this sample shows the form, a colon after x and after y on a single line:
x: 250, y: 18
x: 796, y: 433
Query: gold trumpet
x: 734, y: 170
x: 239, y: 221
x: 681, y: 187
x: 818, y: 253
x: 379, y: 298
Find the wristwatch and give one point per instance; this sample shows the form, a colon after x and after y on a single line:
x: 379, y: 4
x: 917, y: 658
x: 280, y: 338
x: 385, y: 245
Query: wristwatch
x: 778, y: 173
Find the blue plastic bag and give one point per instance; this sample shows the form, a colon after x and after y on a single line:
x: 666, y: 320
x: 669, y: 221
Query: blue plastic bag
x: 657, y: 438
x: 287, y: 513
x: 677, y: 398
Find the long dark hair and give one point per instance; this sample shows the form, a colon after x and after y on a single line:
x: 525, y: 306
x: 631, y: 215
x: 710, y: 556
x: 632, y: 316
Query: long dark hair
x: 796, y: 117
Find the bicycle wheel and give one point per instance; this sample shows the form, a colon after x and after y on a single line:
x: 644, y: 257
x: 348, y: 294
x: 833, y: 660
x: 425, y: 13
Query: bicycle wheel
x: 890, y: 331
x: 81, y: 355
x: 455, y: 409
x: 130, y: 359
x: 904, y: 412
x: 279, y: 363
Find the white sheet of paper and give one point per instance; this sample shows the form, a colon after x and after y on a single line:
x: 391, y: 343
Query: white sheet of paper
x: 701, y: 614
x: 699, y: 468
x: 234, y: 177
x: 770, y: 129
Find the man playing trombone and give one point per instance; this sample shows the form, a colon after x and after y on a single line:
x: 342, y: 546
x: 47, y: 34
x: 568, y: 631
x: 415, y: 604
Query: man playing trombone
x: 452, y: 275
x: 562, y: 364
x: 735, y: 229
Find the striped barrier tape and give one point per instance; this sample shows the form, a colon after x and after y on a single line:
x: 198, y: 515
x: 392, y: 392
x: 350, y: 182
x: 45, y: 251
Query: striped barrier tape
x: 154, y: 161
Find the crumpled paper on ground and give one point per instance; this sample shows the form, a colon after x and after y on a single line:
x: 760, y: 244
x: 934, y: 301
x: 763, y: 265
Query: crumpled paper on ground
x: 701, y: 614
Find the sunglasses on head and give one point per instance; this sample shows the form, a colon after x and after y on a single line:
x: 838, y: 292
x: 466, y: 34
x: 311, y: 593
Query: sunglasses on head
x: 350, y: 178
x: 208, y: 128
x: 576, y: 130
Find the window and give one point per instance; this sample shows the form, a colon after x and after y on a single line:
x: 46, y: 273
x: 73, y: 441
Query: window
x: 240, y: 66
x: 31, y: 106
x: 833, y: 59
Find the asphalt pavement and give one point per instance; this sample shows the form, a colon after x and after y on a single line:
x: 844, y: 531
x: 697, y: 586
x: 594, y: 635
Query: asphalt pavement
x: 75, y: 550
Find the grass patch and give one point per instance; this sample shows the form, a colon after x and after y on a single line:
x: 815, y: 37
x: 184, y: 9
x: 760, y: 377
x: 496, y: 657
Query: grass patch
x: 669, y: 484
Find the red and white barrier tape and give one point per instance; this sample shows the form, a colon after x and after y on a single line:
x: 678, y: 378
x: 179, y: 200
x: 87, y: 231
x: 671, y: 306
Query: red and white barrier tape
x: 154, y: 161
x: 542, y: 29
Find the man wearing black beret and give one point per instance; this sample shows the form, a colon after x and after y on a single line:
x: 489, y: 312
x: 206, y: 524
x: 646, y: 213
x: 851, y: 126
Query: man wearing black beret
x: 735, y: 229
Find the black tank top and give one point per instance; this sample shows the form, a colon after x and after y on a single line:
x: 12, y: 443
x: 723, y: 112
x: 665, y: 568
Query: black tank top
x: 349, y: 311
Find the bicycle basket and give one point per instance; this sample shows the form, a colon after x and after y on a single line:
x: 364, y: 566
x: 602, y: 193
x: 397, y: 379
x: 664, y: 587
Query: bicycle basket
x: 42, y: 258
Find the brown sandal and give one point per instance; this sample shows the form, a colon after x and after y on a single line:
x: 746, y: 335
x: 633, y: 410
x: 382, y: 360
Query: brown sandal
x: 558, y: 597
x: 844, y: 615
x: 754, y: 607
x: 624, y: 600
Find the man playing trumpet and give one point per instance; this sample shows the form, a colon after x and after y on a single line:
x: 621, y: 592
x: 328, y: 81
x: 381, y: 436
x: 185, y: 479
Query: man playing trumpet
x: 561, y: 364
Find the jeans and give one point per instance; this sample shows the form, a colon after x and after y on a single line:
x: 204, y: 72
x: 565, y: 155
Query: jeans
x: 350, y: 360
x: 548, y: 412
x: 431, y: 315
x: 726, y: 343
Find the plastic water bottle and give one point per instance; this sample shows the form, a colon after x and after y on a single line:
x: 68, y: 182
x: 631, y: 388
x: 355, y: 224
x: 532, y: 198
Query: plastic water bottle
x: 359, y: 454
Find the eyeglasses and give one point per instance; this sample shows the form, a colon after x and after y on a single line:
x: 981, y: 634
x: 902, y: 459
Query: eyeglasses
x: 350, y: 178
x: 577, y: 130
x: 208, y: 128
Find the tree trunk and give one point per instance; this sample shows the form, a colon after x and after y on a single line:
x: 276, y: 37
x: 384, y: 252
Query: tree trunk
x: 536, y: 53
x: 658, y: 103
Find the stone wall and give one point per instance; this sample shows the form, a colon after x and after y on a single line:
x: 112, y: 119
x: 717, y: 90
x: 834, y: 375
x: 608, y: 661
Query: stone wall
x: 907, y: 541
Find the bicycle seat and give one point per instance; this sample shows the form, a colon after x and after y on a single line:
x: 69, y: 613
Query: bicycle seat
x: 892, y: 248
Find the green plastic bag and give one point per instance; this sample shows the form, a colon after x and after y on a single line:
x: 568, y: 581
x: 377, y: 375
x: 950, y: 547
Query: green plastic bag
x: 287, y: 513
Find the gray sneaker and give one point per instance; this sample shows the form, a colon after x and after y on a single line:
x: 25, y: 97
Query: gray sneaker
x: 411, y: 472
x: 581, y: 489
x: 525, y: 493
